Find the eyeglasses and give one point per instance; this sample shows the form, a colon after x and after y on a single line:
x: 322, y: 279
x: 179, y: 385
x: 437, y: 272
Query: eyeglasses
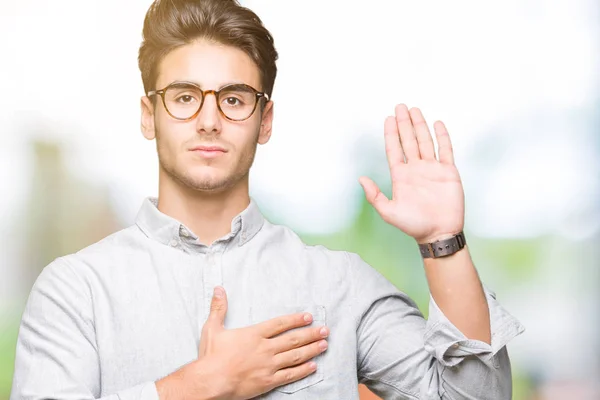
x: 183, y: 100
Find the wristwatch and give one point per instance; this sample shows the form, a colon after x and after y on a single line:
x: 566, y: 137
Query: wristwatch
x: 443, y: 248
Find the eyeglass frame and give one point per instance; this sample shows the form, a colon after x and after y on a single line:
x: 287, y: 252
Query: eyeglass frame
x: 161, y: 92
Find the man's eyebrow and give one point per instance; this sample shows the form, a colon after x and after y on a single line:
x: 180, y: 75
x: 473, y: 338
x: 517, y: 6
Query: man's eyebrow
x: 232, y: 83
x: 183, y: 83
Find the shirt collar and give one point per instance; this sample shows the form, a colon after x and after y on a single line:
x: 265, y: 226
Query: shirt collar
x: 168, y: 230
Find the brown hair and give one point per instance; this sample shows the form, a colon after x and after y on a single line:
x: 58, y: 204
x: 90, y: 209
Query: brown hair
x: 170, y: 24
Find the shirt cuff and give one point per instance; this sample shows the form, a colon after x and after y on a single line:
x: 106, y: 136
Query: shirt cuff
x: 450, y: 346
x: 144, y: 391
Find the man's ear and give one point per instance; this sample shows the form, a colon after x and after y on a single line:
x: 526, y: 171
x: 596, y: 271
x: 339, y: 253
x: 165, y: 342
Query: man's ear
x: 147, y: 118
x: 266, y: 123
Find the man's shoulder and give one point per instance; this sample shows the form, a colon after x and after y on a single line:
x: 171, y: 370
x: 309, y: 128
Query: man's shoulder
x: 125, y: 239
x: 344, y: 266
x: 351, y: 263
x: 295, y: 244
x: 116, y: 246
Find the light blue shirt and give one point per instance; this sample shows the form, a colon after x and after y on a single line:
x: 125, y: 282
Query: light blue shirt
x: 111, y: 319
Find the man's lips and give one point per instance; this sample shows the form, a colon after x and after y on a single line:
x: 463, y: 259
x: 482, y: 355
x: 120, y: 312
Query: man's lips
x: 208, y: 151
x: 208, y: 148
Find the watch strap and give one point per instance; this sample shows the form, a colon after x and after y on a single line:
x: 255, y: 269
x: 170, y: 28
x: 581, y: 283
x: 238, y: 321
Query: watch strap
x: 442, y: 248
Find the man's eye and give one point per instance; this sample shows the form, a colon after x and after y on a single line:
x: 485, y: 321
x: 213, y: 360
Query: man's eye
x: 232, y: 101
x: 185, y: 99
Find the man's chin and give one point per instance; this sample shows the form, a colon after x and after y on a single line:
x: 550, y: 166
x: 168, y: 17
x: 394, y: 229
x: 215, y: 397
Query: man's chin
x: 209, y: 186
x: 203, y: 180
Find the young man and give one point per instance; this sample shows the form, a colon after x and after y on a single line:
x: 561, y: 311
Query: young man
x: 204, y: 299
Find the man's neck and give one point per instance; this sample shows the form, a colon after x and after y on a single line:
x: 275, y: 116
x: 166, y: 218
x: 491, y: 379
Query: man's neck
x: 209, y: 216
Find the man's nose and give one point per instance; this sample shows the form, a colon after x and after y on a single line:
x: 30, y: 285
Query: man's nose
x: 209, y: 118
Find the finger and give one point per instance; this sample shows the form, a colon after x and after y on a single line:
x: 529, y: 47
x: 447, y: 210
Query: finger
x: 408, y: 139
x: 293, y: 374
x: 292, y: 358
x: 446, y: 154
x: 218, y: 307
x: 393, y: 148
x: 299, y: 338
x: 374, y: 196
x: 426, y: 148
x: 276, y: 326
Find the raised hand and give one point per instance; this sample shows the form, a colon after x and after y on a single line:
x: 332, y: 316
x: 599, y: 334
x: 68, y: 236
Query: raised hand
x: 243, y: 363
x: 427, y: 195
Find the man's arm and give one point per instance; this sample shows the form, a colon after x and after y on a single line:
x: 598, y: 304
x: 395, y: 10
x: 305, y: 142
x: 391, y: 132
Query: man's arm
x: 403, y: 356
x: 455, y: 286
x: 428, y: 204
x: 56, y: 355
x: 466, y: 332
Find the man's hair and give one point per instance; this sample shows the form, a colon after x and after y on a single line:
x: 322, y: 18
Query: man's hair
x: 170, y: 24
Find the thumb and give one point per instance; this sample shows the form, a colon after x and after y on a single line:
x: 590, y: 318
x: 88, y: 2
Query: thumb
x: 218, y: 307
x: 374, y: 196
x: 215, y: 321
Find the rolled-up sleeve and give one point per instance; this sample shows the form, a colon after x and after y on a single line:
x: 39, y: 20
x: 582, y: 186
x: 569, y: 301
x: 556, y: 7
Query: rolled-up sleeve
x: 403, y: 356
x: 56, y: 354
x: 449, y: 346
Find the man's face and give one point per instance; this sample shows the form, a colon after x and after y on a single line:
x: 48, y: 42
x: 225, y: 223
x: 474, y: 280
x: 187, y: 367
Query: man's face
x: 210, y: 66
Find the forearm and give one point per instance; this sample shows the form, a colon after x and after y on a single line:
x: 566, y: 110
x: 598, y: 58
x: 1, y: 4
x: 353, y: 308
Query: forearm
x: 172, y: 387
x: 400, y: 353
x: 456, y: 288
x: 193, y: 381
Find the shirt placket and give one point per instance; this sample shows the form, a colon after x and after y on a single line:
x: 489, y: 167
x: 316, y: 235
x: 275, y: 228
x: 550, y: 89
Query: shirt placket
x: 212, y: 277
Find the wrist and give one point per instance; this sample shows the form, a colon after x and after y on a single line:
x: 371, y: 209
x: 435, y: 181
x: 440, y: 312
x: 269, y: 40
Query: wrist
x: 437, y: 237
x: 442, y: 246
x: 169, y: 388
x: 193, y: 381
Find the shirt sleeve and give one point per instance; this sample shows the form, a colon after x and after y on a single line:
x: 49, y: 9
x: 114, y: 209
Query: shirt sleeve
x: 403, y: 356
x: 56, y: 354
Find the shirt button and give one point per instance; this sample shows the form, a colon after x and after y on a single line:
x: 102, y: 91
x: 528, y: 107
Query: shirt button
x: 173, y: 243
x: 455, y: 346
x: 185, y: 233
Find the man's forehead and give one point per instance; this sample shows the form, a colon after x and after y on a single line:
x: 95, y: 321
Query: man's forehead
x: 209, y: 65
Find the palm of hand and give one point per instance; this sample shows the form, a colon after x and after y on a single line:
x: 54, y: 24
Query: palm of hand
x: 427, y: 195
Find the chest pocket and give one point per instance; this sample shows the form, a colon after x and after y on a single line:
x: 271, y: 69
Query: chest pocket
x: 264, y: 313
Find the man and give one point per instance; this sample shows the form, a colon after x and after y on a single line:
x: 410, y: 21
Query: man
x: 204, y: 299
